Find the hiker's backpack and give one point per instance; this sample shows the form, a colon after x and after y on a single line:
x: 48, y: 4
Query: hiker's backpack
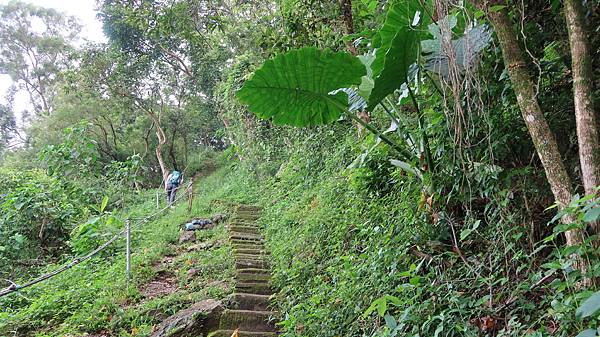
x: 174, y: 180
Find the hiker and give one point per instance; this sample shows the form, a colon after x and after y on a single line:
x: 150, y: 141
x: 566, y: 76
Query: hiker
x: 171, y: 186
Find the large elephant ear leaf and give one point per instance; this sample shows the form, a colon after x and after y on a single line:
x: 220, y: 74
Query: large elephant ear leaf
x: 399, y: 41
x: 296, y: 88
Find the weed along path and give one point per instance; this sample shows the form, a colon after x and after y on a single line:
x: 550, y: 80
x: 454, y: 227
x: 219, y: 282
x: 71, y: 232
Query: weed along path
x: 249, y: 314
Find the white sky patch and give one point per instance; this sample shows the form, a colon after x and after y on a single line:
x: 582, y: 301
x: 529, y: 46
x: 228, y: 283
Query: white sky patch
x: 84, y: 11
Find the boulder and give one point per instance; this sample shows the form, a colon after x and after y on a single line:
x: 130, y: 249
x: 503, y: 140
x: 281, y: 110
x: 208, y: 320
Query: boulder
x: 187, y: 236
x: 217, y: 218
x: 196, y: 321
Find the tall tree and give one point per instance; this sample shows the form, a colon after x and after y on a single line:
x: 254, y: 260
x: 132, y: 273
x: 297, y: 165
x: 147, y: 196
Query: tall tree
x: 585, y: 116
x: 36, y: 45
x: 541, y: 134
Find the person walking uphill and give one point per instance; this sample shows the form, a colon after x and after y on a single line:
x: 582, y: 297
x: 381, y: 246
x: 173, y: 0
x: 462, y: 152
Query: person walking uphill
x: 171, y: 185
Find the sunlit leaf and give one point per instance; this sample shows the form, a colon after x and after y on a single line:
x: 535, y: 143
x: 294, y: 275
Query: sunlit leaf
x: 296, y: 88
x: 589, y: 307
x: 398, y: 49
x: 587, y: 333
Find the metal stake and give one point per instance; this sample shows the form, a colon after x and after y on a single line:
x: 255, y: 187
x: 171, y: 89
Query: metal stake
x: 128, y: 249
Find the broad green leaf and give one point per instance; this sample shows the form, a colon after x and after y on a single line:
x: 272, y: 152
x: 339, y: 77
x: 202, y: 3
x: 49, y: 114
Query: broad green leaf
x: 592, y: 214
x: 589, y: 307
x: 390, y: 321
x: 365, y: 87
x: 399, y: 48
x: 296, y: 88
x: 587, y: 333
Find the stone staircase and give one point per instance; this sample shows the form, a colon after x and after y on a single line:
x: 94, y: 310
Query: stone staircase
x: 250, y: 313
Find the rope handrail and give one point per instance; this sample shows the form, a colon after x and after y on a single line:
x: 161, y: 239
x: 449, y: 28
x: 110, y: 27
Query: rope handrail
x: 14, y: 287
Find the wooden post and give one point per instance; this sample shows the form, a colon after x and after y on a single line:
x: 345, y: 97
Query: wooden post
x: 190, y: 191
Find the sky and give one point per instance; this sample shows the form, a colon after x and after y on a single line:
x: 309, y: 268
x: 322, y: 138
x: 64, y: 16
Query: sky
x: 85, y: 12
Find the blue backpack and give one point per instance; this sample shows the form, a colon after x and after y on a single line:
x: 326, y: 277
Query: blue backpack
x: 174, y: 180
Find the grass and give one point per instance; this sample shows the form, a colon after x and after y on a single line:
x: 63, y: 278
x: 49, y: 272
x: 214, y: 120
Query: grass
x: 95, y: 296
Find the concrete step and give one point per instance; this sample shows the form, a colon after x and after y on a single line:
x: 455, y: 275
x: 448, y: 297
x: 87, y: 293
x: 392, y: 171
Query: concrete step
x: 245, y: 301
x: 245, y: 216
x: 248, y: 245
x: 253, y: 270
x: 229, y: 333
x: 241, y: 264
x: 254, y: 251
x: 245, y: 236
x: 244, y: 229
x: 237, y: 242
x: 259, y: 288
x: 240, y: 256
x: 253, y: 277
x: 248, y: 320
x: 249, y: 208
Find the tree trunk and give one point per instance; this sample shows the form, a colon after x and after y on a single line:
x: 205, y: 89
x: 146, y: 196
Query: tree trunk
x: 162, y: 140
x: 587, y: 124
x: 172, y: 149
x: 543, y: 139
x: 346, y: 8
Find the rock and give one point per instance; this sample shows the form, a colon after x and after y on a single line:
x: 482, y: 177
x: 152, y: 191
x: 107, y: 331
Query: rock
x: 201, y: 245
x: 191, y: 273
x: 218, y: 218
x: 221, y: 284
x: 197, y: 320
x: 187, y: 236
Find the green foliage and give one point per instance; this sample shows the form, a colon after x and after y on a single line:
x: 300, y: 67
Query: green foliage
x: 397, y: 49
x: 94, y: 296
x: 38, y: 213
x: 296, y: 88
x: 589, y: 307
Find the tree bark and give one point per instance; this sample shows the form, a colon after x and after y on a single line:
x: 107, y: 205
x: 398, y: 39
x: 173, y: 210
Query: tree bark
x: 542, y: 136
x: 346, y: 8
x: 587, y: 124
x: 172, y: 149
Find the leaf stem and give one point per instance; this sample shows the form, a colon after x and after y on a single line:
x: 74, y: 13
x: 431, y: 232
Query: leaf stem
x: 424, y: 137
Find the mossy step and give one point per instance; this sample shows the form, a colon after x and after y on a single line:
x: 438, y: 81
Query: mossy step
x: 248, y: 211
x: 253, y: 270
x: 245, y: 301
x: 249, y: 257
x: 254, y: 251
x: 260, y: 288
x: 244, y: 229
x: 253, y: 208
x: 248, y: 320
x: 247, y: 238
x: 229, y: 333
x: 243, y: 221
x: 248, y: 245
x: 245, y: 216
x: 253, y: 277
x: 236, y: 242
x: 240, y: 264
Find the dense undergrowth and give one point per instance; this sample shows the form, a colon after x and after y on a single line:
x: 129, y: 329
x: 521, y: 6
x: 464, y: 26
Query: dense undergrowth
x: 356, y: 254
x: 95, y: 296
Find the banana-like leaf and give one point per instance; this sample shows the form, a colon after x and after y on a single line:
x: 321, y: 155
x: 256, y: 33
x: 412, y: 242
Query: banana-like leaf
x: 299, y: 88
x: 398, y: 48
x: 466, y: 48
